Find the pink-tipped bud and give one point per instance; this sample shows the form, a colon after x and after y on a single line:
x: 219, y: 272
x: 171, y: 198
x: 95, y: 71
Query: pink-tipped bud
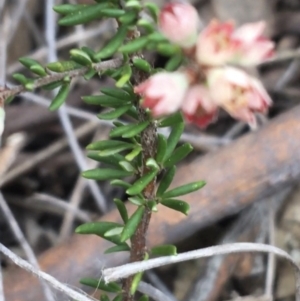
x: 198, y: 107
x: 163, y: 92
x: 254, y: 46
x: 238, y: 93
x: 179, y: 23
x: 219, y: 44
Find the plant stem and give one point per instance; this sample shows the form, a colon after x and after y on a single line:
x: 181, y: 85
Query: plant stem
x: 148, y: 142
x: 40, y: 82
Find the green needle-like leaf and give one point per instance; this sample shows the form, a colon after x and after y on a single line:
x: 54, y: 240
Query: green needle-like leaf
x: 142, y: 182
x: 102, y: 174
x: 177, y: 205
x: 164, y: 250
x: 60, y: 98
x: 132, y: 223
x: 184, y: 189
x: 166, y: 181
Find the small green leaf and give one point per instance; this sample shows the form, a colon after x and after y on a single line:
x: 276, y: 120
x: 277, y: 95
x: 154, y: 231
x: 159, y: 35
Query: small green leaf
x: 52, y: 86
x: 99, y: 229
x: 113, y: 160
x: 128, y: 131
x: 142, y: 182
x: 152, y: 205
x: 118, y: 248
x: 60, y: 98
x: 113, y: 232
x: 167, y: 49
x: 153, y: 10
x: 114, y: 113
x: 33, y: 65
x: 147, y: 25
x: 179, y: 154
x: 102, y: 174
x: 112, y: 12
x: 122, y: 210
x: 184, y: 189
x: 164, y: 250
x: 117, y: 93
x: 113, y: 45
x: 141, y: 64
x: 174, y: 62
x: 127, y: 166
x: 135, y: 282
x: 136, y: 201
x: 132, y: 223
x: 23, y: 80
x: 38, y: 69
x: 151, y: 163
x: 171, y: 120
x: 105, y: 101
x: 173, y: 138
x: 28, y: 62
x: 65, y: 9
x: 133, y: 4
x: 125, y: 76
x: 104, y: 297
x: 89, y: 74
x: 166, y: 181
x: 120, y: 183
x: 134, y: 153
x: 161, y: 148
x: 110, y: 144
x: 177, y: 205
x: 80, y: 57
x: 118, y: 298
x: 144, y: 298
x: 134, y: 45
x: 157, y: 37
x: 111, y: 287
x: 90, y: 52
x: 62, y: 66
x: 83, y: 15
x: 128, y: 18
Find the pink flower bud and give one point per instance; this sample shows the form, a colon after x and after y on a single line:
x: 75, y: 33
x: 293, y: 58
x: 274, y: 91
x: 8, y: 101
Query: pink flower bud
x: 215, y: 46
x: 238, y: 93
x: 254, y: 47
x: 179, y: 23
x: 163, y: 92
x: 219, y: 44
x: 198, y: 107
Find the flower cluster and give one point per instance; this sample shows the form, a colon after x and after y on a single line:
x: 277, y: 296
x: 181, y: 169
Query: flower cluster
x: 209, y: 81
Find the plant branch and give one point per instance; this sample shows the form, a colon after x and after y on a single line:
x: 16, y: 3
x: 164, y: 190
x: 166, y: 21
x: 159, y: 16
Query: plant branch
x: 40, y: 82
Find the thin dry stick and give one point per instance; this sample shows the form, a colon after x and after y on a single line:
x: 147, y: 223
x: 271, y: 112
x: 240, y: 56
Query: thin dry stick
x: 8, y: 154
x: 8, y: 215
x: 2, y: 297
x: 113, y: 274
x: 16, y: 18
x: 153, y: 292
x: 75, y: 200
x: 46, y: 153
x: 64, y: 117
x: 271, y: 265
x: 158, y: 283
x: 46, y: 277
x: 61, y: 204
x: 145, y: 288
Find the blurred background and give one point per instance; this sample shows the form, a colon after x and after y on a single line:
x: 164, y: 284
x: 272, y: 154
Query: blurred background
x: 42, y: 154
